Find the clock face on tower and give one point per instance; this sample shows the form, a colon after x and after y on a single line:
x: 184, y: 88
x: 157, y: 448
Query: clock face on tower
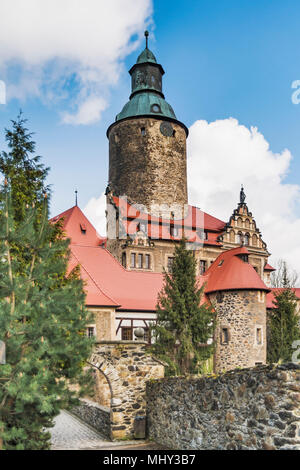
x: 166, y: 129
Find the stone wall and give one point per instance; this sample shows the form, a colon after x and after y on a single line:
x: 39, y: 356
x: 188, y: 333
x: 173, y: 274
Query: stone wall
x: 126, y: 367
x: 243, y: 409
x: 148, y: 167
x: 241, y: 312
x: 95, y: 415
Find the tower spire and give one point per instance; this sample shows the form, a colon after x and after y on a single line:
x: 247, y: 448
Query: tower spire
x: 146, y: 36
x: 76, y: 202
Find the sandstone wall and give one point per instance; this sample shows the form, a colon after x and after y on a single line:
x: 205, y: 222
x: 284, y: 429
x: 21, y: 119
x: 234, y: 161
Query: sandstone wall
x: 243, y: 409
x: 127, y: 367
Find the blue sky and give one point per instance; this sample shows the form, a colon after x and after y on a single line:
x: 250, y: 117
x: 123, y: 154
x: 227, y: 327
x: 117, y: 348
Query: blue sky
x: 224, y: 58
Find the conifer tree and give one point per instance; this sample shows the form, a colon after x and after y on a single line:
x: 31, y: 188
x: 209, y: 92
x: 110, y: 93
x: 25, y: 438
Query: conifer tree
x: 184, y: 324
x: 283, y: 327
x: 23, y: 170
x: 42, y: 322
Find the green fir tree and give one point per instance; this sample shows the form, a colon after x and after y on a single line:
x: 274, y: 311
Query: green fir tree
x: 43, y: 323
x: 23, y: 170
x: 283, y: 327
x: 185, y: 325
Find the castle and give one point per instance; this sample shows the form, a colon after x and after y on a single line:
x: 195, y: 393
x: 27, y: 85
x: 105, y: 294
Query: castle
x: 147, y: 214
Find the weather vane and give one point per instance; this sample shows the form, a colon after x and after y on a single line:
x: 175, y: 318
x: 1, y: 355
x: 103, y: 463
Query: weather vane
x: 76, y: 192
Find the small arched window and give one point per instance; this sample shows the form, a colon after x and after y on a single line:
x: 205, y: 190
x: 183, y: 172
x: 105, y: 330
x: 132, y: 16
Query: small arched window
x: 239, y: 238
x: 247, y: 239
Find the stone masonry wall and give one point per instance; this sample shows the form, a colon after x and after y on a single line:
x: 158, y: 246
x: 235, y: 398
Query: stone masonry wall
x: 243, y: 409
x: 241, y: 312
x: 148, y: 168
x: 127, y: 367
x: 95, y: 415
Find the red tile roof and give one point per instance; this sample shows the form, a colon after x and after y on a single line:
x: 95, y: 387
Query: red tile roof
x: 230, y: 272
x: 159, y: 228
x: 108, y: 284
x: 271, y: 295
x: 78, y: 228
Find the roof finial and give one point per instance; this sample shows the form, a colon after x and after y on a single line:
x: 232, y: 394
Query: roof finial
x: 76, y: 192
x: 242, y: 195
x: 146, y: 36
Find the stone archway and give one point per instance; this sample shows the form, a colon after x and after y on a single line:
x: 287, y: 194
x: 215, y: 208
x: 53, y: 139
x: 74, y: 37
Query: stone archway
x: 126, y: 367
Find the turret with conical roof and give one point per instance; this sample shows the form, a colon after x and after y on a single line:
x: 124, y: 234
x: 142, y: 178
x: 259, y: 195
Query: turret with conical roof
x: 147, y: 144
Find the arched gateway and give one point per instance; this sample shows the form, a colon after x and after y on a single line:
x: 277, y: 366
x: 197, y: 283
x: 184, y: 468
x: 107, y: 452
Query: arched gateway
x: 126, y: 367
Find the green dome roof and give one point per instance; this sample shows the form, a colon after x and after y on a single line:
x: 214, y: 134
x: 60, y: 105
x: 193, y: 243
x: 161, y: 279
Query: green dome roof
x: 146, y: 104
x: 146, y: 56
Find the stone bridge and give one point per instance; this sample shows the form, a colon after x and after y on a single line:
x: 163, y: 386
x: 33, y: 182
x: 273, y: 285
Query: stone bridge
x: 122, y: 370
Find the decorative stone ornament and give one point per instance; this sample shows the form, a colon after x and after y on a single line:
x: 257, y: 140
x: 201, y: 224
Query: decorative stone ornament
x: 139, y: 333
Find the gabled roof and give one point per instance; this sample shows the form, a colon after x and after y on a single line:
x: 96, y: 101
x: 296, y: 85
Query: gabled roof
x: 230, y: 272
x: 78, y: 228
x: 271, y: 295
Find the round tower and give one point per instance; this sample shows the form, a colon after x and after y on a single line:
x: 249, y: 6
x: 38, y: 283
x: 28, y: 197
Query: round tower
x: 147, y: 144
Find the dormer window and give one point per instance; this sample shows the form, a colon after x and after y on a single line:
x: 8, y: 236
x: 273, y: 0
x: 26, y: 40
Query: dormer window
x: 83, y: 228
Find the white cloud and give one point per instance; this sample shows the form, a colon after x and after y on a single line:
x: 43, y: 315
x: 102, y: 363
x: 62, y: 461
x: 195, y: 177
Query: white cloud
x: 225, y: 154
x: 50, y: 48
x: 95, y: 212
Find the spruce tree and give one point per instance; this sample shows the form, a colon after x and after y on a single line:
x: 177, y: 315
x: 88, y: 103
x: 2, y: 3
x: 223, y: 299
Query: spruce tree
x: 23, y: 170
x: 43, y: 323
x: 184, y: 324
x: 283, y: 327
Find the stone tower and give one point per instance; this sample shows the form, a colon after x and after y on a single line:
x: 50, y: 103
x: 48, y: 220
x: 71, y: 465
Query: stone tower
x: 238, y: 296
x: 147, y: 144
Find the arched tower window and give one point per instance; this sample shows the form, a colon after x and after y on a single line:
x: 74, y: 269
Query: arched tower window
x: 247, y: 239
x: 239, y: 238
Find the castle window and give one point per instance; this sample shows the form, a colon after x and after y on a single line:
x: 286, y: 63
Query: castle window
x: 170, y: 263
x: 254, y: 240
x: 239, y: 238
x: 143, y: 131
x: 258, y: 335
x: 224, y: 336
x: 124, y: 259
x: 147, y: 261
x: 247, y: 239
x: 126, y: 333
x: 140, y: 261
x: 91, y: 331
x: 133, y: 260
x: 202, y: 267
x: 174, y: 133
